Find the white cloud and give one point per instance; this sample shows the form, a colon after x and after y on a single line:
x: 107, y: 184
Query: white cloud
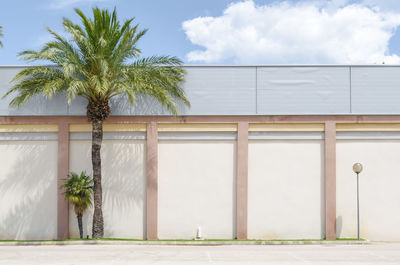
x: 286, y: 32
x: 60, y: 4
x: 386, y: 5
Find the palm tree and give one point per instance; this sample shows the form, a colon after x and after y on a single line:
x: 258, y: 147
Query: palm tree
x: 1, y: 35
x: 99, y: 62
x: 79, y: 191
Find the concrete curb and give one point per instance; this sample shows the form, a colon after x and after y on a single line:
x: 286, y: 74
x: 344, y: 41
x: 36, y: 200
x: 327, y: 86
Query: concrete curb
x: 180, y: 243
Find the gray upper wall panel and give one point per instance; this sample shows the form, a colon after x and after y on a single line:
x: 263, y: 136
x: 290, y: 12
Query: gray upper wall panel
x: 375, y: 90
x: 250, y: 90
x: 221, y: 90
x: 303, y: 90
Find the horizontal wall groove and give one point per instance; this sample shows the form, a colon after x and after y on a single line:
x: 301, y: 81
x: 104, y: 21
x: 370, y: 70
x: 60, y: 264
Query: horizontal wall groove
x: 4, y: 128
x: 28, y: 136
x: 109, y: 136
x: 107, y: 127
x: 216, y: 119
x: 371, y: 127
x: 197, y: 136
x: 368, y: 135
x: 286, y: 135
x: 197, y: 127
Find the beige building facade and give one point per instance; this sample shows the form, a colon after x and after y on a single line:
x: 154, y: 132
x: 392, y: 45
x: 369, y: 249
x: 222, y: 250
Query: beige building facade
x: 285, y: 180
x: 257, y: 175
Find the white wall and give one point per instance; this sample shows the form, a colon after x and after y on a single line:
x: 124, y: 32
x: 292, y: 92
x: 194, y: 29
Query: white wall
x: 285, y: 195
x: 123, y: 173
x: 196, y: 188
x: 379, y: 189
x: 28, y: 190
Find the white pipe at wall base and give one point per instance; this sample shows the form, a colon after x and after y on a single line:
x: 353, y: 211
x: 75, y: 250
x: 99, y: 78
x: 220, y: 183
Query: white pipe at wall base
x: 198, y: 234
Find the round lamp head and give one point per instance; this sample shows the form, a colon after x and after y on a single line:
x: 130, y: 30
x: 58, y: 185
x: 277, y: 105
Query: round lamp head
x: 357, y: 168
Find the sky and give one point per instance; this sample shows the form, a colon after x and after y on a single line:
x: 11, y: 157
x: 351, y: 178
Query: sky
x: 227, y: 31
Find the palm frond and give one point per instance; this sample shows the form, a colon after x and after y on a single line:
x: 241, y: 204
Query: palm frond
x: 78, y: 190
x: 99, y: 59
x: 159, y: 77
x: 1, y: 35
x: 34, y: 81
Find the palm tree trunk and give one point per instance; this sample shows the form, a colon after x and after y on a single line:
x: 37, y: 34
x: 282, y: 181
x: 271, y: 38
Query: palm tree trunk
x: 97, y: 138
x: 79, y: 216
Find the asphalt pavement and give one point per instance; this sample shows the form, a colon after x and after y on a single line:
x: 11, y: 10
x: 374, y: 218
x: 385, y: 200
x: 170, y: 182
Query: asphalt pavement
x: 374, y: 253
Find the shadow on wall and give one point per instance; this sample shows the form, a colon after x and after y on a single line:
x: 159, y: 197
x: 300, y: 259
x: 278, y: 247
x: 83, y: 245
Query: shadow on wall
x: 146, y: 105
x: 28, y: 190
x: 41, y: 105
x: 339, y: 226
x: 120, y: 105
x: 125, y: 188
x: 123, y: 180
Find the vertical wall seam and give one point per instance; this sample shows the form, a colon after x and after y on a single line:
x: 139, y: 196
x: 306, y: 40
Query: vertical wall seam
x: 256, y: 90
x: 242, y: 180
x: 351, y: 102
x: 152, y: 181
x: 62, y: 173
x: 330, y: 180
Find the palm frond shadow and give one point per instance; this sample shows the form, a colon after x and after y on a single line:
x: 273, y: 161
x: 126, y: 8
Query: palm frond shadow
x: 28, y: 192
x: 123, y: 181
x: 120, y: 106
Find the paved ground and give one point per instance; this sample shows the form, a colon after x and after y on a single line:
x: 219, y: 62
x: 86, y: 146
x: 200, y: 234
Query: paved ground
x: 204, y: 255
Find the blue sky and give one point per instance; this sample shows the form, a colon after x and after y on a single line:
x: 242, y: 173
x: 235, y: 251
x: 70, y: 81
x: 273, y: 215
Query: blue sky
x: 228, y: 31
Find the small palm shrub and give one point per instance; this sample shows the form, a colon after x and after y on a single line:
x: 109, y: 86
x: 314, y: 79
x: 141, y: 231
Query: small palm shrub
x: 78, y: 190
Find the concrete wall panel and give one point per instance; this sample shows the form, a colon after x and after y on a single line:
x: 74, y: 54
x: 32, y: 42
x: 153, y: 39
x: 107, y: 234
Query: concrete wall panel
x: 286, y: 198
x: 123, y: 169
x: 196, y: 188
x: 379, y: 189
x: 28, y: 190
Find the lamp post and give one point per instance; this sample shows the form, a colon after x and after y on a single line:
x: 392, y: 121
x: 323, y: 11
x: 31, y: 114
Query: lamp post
x: 357, y: 168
